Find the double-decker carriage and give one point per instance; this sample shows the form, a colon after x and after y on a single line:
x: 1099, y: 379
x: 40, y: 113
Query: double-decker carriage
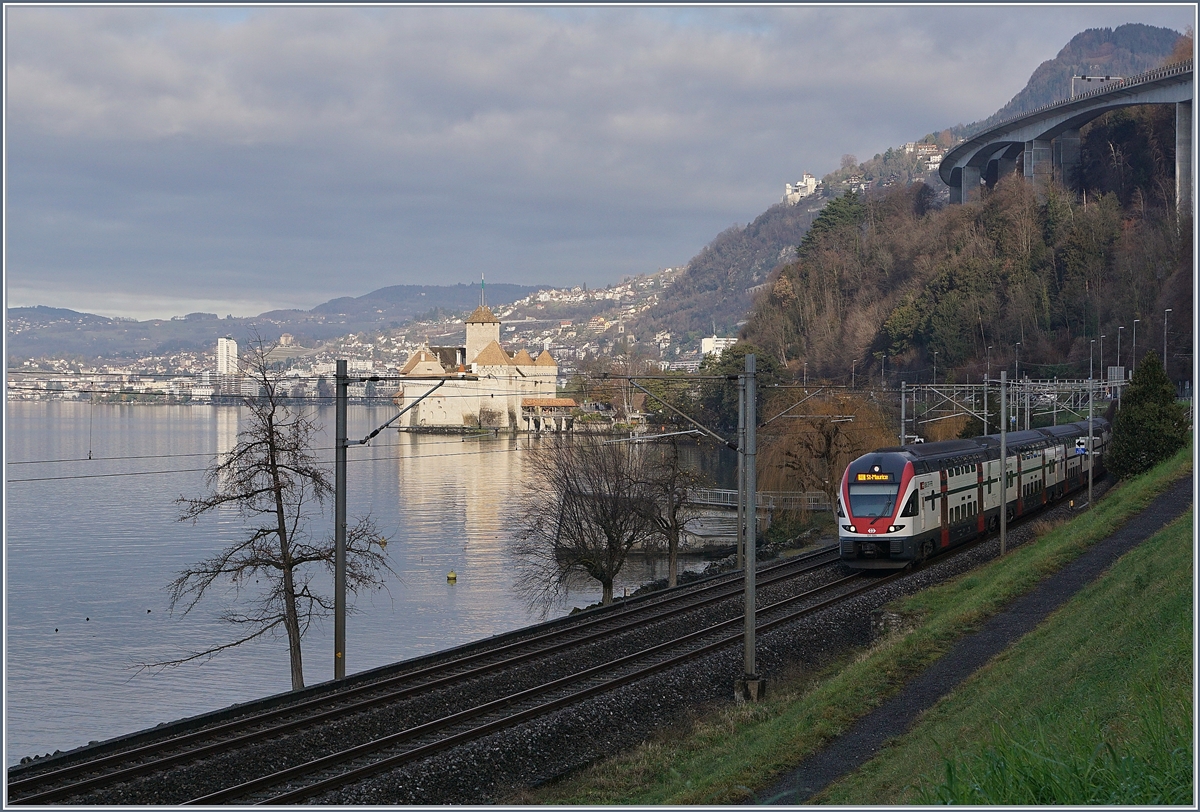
x: 908, y: 503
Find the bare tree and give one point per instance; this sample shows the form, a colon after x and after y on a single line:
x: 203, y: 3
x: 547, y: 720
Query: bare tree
x: 277, y: 485
x: 672, y: 492
x: 584, y: 508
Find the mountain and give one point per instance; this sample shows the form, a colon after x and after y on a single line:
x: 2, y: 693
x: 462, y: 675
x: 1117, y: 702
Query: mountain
x: 1122, y: 51
x: 717, y: 286
x: 35, y: 332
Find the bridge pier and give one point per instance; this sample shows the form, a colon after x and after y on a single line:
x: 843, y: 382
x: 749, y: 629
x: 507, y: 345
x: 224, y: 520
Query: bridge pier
x: 969, y: 184
x: 1067, y: 158
x: 1039, y: 165
x: 1183, y: 159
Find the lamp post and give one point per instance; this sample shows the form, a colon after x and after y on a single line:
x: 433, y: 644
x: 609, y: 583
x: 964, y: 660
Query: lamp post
x: 1165, y: 312
x: 1133, y: 361
x: 987, y: 382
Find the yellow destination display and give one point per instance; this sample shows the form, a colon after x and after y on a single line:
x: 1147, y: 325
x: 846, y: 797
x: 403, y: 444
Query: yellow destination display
x: 872, y: 477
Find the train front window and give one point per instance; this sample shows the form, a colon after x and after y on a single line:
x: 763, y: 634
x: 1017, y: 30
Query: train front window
x: 875, y: 499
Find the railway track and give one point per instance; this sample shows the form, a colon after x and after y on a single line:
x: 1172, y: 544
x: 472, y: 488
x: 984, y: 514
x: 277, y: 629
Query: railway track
x: 312, y: 779
x: 84, y: 776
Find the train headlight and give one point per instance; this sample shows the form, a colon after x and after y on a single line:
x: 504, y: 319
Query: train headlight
x: 849, y: 527
x: 896, y: 528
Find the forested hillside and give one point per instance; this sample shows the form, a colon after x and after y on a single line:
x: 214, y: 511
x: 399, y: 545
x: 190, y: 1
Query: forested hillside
x: 888, y: 276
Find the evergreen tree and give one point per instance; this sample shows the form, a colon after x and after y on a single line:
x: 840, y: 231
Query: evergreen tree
x: 1151, y: 425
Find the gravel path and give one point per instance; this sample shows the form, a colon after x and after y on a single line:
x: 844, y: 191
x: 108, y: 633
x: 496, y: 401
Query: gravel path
x: 897, y: 715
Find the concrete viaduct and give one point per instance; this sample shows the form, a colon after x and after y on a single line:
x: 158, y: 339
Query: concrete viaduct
x: 1049, y: 136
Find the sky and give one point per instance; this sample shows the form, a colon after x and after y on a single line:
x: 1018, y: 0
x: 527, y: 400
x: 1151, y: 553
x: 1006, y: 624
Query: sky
x: 162, y: 160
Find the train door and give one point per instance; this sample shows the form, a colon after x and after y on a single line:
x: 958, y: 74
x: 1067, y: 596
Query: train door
x: 945, y: 508
x: 980, y: 522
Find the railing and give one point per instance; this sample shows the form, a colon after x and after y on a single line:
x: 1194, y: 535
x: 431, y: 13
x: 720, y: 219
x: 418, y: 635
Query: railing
x: 767, y: 500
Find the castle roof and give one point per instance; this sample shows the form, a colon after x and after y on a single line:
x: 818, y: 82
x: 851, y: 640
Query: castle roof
x: 493, y: 355
x: 419, y: 357
x: 523, y: 359
x: 544, y: 359
x: 482, y: 315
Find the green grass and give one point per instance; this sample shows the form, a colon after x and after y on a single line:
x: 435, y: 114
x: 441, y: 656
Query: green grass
x: 732, y: 753
x: 1092, y: 707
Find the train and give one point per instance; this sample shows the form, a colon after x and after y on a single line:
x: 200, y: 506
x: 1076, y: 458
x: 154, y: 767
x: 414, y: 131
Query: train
x: 902, y: 505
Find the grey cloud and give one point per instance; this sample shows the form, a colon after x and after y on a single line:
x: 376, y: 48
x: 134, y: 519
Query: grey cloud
x: 329, y: 151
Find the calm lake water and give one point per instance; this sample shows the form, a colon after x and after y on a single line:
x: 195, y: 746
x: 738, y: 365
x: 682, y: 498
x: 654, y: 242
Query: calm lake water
x: 91, y: 544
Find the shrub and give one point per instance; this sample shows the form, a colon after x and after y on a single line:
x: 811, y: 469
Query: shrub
x: 1151, y: 425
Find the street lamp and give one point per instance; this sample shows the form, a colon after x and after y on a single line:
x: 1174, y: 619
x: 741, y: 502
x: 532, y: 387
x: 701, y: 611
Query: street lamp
x: 1133, y: 361
x: 1168, y: 310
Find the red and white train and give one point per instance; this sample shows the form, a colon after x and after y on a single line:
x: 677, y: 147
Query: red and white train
x: 908, y: 503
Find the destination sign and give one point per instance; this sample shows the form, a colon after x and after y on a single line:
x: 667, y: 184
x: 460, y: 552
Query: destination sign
x: 872, y: 477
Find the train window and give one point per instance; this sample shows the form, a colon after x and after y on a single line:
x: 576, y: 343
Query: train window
x: 910, y: 507
x: 875, y: 499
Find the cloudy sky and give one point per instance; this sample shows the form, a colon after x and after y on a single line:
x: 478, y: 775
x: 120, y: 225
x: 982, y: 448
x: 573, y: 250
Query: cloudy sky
x: 163, y: 160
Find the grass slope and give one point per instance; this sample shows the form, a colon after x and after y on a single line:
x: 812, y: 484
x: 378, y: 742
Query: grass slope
x: 1093, y: 707
x: 730, y: 754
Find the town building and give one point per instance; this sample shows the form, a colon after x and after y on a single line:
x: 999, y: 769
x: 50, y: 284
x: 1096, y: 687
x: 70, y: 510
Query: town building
x: 482, y: 386
x: 715, y: 346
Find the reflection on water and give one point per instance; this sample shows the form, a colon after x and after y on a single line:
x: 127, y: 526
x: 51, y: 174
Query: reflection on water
x: 92, y: 543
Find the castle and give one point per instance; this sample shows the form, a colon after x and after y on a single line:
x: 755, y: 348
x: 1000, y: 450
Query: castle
x: 506, y: 392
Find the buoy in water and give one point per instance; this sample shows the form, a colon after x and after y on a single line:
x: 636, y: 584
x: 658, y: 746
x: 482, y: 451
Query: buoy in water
x: 451, y: 577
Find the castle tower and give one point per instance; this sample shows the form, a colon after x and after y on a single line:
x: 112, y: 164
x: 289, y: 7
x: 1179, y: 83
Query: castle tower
x: 482, y: 329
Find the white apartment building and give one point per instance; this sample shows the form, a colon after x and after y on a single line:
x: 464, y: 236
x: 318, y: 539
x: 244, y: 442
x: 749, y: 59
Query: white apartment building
x: 715, y: 346
x: 227, y: 356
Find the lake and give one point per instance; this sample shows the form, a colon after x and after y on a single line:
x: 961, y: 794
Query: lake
x: 92, y: 543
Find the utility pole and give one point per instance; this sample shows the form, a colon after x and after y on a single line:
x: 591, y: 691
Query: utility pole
x: 1165, y: 313
x: 1133, y: 361
x: 1091, y: 461
x: 741, y: 477
x: 751, y: 687
x: 903, y: 419
x: 339, y: 524
x: 1003, y: 460
x: 852, y: 363
x: 341, y: 443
